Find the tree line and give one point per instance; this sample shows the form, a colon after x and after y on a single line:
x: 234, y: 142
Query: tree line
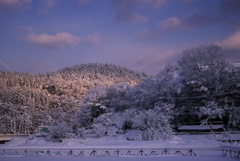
x: 201, y: 88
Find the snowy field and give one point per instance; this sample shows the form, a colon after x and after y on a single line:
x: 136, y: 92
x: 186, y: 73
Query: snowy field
x: 203, y: 146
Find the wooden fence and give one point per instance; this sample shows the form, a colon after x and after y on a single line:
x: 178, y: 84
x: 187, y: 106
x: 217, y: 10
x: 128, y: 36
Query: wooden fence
x: 100, y: 152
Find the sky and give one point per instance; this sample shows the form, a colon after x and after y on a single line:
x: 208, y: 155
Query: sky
x: 37, y: 36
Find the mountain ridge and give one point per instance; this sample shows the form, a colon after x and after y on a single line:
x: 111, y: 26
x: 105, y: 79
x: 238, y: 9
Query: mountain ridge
x: 68, y: 82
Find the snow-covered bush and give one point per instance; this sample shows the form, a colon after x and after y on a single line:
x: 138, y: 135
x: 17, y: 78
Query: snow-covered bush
x: 99, y: 129
x: 102, y: 124
x: 81, y: 132
x: 155, y: 123
x: 61, y: 130
x: 112, y: 131
x: 134, y: 135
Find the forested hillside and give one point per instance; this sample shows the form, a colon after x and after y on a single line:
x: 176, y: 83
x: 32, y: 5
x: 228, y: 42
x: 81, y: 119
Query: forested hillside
x: 201, y: 88
x: 43, y: 94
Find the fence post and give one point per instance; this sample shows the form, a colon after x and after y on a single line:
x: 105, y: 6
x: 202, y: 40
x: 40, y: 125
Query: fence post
x: 141, y: 152
x: 178, y: 152
x: 129, y: 153
x: 191, y: 152
x: 94, y: 152
x: 117, y: 152
x: 153, y: 153
x: 165, y: 152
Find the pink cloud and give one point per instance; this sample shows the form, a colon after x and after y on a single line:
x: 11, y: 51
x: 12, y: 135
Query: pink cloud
x: 10, y: 2
x: 158, y: 3
x: 12, y: 5
x: 50, y: 3
x: 139, y: 19
x: 155, y: 3
x: 125, y: 9
x: 231, y: 42
x: 170, y: 23
x: 58, y: 41
x: 47, y: 5
x: 155, y: 59
x: 91, y: 39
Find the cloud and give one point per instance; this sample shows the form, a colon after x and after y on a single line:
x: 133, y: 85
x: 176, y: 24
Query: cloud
x: 230, y: 7
x: 139, y: 19
x: 13, y: 5
x: 196, y: 21
x: 47, y: 6
x: 170, y: 23
x: 91, y: 39
x: 124, y: 10
x: 206, y: 20
x: 155, y: 61
x: 58, y: 41
x: 231, y: 55
x: 231, y: 42
x: 154, y: 3
x: 147, y: 35
x: 158, y: 3
x: 189, y: 1
x: 231, y: 47
x: 224, y: 14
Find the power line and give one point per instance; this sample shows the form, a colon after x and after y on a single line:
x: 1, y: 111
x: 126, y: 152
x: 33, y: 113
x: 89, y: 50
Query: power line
x: 222, y: 94
x: 2, y: 67
x: 23, y: 96
x: 6, y: 66
x: 14, y: 91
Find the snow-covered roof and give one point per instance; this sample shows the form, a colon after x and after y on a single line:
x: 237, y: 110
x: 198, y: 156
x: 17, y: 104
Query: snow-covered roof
x: 236, y: 63
x: 200, y: 127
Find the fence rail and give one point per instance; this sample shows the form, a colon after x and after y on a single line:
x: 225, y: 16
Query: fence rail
x: 137, y: 152
x: 233, y: 152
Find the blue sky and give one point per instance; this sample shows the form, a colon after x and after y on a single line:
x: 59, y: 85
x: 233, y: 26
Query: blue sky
x: 45, y: 35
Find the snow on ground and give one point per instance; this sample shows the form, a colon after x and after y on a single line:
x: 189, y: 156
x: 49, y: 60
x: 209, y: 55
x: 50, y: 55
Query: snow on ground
x: 204, y: 146
x: 177, y: 141
x: 92, y: 141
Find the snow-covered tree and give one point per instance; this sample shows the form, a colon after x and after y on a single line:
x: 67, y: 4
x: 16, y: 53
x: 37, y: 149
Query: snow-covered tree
x: 233, y: 117
x: 116, y: 96
x: 155, y: 90
x: 209, y: 112
x: 92, y: 107
x: 205, y: 77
